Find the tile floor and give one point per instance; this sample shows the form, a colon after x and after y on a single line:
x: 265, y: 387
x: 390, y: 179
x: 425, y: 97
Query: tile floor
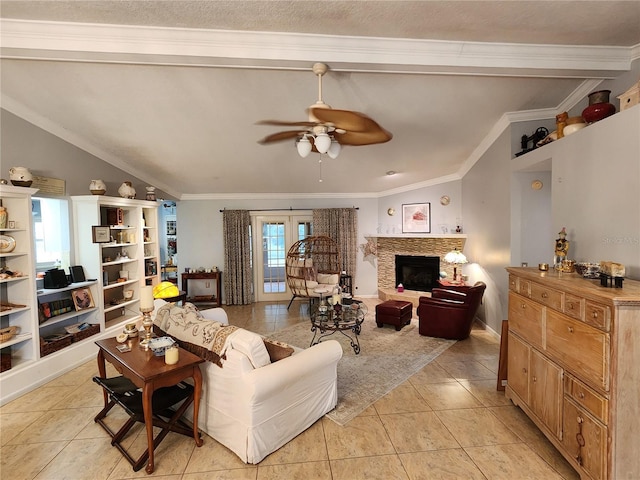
x: 446, y: 422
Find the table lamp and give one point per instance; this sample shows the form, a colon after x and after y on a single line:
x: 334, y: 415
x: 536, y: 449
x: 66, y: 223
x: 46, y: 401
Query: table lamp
x: 455, y: 257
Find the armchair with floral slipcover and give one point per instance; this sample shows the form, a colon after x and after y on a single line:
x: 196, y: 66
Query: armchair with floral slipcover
x: 450, y: 311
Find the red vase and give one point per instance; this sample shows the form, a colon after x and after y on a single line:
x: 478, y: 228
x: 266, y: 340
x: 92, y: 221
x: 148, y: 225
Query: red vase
x: 599, y: 106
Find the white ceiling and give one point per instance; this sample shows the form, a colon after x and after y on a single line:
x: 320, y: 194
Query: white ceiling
x: 171, y: 90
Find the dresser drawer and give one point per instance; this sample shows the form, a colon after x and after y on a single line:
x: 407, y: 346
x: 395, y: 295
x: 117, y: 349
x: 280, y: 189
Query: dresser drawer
x: 582, y: 349
x: 574, y: 306
x: 519, y: 285
x: 584, y: 396
x: 525, y: 318
x: 547, y: 296
x: 598, y: 315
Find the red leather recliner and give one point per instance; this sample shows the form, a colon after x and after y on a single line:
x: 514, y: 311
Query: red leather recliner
x: 449, y: 312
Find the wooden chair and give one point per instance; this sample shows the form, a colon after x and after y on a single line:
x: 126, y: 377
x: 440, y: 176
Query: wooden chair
x: 312, y: 263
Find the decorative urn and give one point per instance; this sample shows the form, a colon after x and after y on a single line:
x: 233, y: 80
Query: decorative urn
x: 97, y: 187
x: 599, y: 106
x: 151, y: 193
x: 20, y: 176
x: 126, y: 190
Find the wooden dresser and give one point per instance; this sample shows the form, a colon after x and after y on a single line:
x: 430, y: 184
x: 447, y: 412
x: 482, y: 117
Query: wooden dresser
x: 574, y: 367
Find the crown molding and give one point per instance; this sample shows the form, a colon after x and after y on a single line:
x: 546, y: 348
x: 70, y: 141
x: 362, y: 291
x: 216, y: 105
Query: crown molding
x: 99, y: 42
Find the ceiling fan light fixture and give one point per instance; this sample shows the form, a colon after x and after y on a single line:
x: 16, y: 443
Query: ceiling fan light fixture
x: 334, y: 149
x: 322, y: 142
x: 304, y: 146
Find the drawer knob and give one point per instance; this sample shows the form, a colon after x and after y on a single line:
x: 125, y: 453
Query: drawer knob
x: 579, y: 419
x: 524, y: 370
x: 570, y: 329
x: 570, y: 306
x: 535, y: 379
x: 581, y: 395
x: 594, y: 314
x: 523, y: 306
x: 544, y: 295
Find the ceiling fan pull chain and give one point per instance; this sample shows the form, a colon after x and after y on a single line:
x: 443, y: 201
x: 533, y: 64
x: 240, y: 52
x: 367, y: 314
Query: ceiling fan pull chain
x: 320, y: 162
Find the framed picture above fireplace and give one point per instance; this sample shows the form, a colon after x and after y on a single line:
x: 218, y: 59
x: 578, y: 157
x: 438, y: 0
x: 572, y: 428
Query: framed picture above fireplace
x: 416, y: 218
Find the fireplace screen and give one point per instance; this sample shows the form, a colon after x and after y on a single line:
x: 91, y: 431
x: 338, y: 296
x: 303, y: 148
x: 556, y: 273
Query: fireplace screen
x: 417, y: 272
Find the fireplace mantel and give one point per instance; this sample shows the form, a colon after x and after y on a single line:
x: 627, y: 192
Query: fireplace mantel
x: 390, y: 245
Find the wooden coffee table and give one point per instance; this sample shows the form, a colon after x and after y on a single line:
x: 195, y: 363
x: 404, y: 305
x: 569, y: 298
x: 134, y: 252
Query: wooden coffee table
x: 150, y: 372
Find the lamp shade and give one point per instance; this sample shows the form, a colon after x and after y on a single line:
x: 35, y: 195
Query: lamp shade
x: 323, y: 142
x: 304, y: 147
x: 334, y: 149
x: 455, y: 257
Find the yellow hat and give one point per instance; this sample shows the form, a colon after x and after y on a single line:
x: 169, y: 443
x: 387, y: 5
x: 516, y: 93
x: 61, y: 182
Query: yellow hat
x: 165, y: 290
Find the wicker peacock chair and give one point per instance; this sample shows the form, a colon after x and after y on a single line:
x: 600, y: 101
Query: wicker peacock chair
x: 312, y: 263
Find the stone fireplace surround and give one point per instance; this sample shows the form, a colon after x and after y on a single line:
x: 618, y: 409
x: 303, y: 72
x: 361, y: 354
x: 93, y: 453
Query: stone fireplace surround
x: 390, y: 246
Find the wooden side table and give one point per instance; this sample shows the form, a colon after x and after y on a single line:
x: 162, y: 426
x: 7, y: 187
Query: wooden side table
x: 212, y: 300
x: 150, y: 373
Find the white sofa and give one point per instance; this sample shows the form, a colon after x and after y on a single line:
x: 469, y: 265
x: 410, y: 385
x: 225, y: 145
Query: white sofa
x: 254, y: 410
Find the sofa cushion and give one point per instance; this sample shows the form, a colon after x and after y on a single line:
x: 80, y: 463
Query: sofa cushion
x: 251, y: 344
x: 328, y: 278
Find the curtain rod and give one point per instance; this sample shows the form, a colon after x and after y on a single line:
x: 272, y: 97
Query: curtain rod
x: 291, y: 209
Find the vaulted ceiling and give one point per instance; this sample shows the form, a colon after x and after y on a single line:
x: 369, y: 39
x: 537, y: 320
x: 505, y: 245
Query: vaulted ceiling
x: 171, y: 91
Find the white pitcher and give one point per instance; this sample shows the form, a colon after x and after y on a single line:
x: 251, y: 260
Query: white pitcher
x: 20, y: 174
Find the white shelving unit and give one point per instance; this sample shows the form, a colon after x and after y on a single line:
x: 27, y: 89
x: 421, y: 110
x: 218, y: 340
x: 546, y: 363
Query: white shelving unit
x: 55, y: 323
x: 133, y: 249
x: 17, y: 289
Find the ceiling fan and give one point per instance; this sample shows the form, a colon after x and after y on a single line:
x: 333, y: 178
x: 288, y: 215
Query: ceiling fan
x: 327, y: 129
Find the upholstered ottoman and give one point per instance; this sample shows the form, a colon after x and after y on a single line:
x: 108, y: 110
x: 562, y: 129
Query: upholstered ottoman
x: 394, y: 312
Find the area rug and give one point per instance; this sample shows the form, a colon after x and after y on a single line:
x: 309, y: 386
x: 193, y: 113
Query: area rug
x: 387, y: 359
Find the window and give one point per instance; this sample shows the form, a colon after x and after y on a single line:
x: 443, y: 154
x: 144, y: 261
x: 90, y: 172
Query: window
x: 274, y: 244
x: 51, y: 233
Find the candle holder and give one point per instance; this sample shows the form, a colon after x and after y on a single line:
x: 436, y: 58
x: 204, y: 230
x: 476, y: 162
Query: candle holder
x: 147, y: 323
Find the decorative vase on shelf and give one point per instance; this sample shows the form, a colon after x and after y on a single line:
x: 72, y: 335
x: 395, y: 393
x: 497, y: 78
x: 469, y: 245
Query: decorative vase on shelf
x: 599, y: 106
x: 126, y: 190
x: 3, y: 217
x: 97, y: 187
x: 151, y: 193
x: 20, y: 176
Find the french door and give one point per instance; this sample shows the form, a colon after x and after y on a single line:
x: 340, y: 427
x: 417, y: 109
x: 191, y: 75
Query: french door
x: 274, y: 234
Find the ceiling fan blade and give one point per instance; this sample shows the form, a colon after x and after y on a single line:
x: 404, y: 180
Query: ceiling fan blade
x: 281, y: 123
x: 363, y: 138
x: 346, y: 119
x: 280, y: 136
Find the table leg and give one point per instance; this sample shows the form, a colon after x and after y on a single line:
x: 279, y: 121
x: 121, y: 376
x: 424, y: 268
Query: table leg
x: 197, y: 391
x: 102, y: 372
x: 147, y: 408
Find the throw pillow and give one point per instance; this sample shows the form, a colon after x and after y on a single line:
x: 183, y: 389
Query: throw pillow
x: 328, y: 278
x: 277, y: 350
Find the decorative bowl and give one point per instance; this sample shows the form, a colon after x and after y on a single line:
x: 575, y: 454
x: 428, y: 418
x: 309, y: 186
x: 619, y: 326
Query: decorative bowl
x: 128, y: 294
x: 131, y: 330
x: 158, y: 345
x: 588, y: 269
